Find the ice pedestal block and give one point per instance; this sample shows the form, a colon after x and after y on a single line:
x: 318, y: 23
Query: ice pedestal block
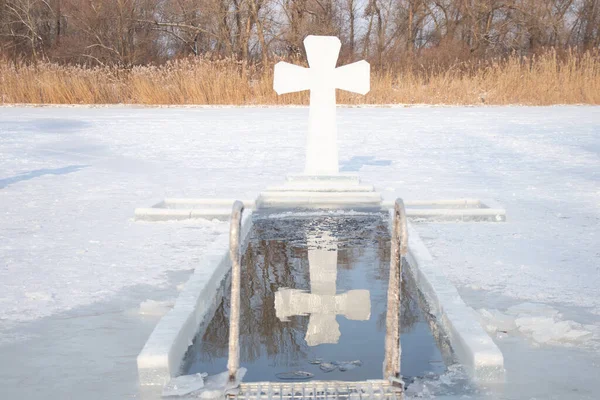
x: 322, y: 183
x: 319, y: 199
x: 320, y: 191
x: 350, y: 179
x: 177, y: 209
x: 321, y: 187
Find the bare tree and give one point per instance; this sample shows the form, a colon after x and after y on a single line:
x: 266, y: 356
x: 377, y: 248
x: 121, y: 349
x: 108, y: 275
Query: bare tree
x: 387, y: 32
x: 28, y: 25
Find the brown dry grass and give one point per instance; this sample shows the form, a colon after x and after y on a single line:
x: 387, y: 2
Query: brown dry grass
x: 542, y: 80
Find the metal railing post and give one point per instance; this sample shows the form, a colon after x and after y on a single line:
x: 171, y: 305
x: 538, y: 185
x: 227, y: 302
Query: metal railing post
x: 233, y: 362
x: 399, y: 249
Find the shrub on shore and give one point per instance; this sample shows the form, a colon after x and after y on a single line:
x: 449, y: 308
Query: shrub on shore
x: 541, y: 80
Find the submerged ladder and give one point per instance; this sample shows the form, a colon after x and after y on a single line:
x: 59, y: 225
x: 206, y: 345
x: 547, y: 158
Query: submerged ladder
x: 389, y: 388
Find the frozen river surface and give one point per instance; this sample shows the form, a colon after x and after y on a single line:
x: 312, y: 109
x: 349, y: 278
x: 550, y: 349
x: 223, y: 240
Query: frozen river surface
x: 74, y: 267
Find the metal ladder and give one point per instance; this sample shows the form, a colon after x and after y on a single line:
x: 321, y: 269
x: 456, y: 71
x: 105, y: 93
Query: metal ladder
x: 318, y: 390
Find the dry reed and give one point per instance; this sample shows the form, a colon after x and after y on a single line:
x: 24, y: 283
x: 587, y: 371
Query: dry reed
x: 543, y: 80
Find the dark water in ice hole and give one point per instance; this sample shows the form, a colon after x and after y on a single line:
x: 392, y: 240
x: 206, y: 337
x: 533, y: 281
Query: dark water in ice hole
x: 277, y: 257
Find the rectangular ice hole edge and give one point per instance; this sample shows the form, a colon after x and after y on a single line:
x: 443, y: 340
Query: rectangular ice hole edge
x: 162, y: 356
x: 347, y: 258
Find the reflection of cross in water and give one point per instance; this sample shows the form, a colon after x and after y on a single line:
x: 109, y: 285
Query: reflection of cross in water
x: 322, y: 303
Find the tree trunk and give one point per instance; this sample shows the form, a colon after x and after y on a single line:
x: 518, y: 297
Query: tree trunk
x: 238, y: 26
x: 367, y: 43
x: 58, y: 22
x: 589, y: 15
x: 260, y: 34
x: 380, y: 37
x: 410, y: 40
x: 352, y: 18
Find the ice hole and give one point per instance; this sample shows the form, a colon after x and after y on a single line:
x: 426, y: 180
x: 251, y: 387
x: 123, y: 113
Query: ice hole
x: 314, y: 292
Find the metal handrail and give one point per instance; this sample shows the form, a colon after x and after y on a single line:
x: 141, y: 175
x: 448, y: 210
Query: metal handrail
x: 399, y: 249
x: 233, y: 362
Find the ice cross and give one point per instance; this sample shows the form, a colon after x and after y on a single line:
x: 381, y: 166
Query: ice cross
x: 322, y: 303
x: 322, y: 78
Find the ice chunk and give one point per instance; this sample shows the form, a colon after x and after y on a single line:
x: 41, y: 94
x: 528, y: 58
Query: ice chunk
x: 216, y: 386
x: 532, y: 309
x: 327, y: 367
x: 348, y: 365
x: 544, y: 324
x: 576, y: 335
x: 418, y: 388
x: 185, y: 384
x: 294, y: 376
x: 495, y: 321
x: 540, y: 322
x: 152, y: 307
x: 549, y: 330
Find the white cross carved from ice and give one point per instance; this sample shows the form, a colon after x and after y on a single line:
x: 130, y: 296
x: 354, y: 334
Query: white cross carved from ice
x: 322, y: 303
x: 322, y: 78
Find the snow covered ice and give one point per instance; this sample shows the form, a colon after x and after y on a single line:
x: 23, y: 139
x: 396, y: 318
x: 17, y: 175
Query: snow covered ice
x: 152, y: 307
x: 75, y: 268
x: 542, y: 323
x: 184, y: 384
